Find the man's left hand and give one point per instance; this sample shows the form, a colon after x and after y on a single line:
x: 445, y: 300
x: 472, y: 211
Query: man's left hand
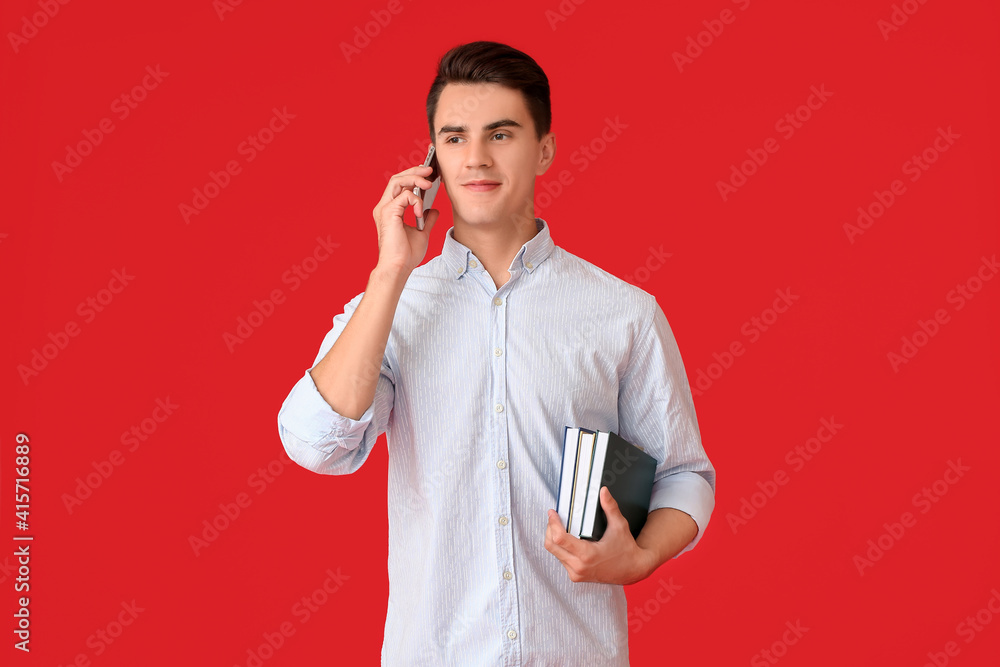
x: 614, y: 559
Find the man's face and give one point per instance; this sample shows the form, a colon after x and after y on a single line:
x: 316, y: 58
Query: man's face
x: 488, y: 153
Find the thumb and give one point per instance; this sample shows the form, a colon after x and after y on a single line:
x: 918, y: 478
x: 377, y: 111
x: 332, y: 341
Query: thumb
x: 609, y: 503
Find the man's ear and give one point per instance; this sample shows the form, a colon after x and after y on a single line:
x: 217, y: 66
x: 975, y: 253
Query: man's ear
x: 547, y: 153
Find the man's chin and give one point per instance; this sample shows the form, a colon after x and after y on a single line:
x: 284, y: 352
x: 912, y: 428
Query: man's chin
x: 485, y: 216
x: 478, y: 216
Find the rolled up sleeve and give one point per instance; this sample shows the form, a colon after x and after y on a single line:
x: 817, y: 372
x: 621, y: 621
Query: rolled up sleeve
x: 319, y: 438
x: 656, y: 412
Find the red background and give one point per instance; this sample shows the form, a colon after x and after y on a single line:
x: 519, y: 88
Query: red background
x: 654, y: 186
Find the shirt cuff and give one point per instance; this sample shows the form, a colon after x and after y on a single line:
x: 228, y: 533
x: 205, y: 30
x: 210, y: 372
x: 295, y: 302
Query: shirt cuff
x: 688, y: 492
x: 307, y: 416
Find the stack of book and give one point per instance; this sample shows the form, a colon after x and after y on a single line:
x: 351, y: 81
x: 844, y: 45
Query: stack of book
x: 592, y: 459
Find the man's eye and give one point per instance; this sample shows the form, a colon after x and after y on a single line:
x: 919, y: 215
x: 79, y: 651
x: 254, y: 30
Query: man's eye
x: 449, y: 140
x: 499, y: 134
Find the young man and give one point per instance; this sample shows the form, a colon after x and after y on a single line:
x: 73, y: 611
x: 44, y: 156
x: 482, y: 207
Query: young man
x: 473, y: 364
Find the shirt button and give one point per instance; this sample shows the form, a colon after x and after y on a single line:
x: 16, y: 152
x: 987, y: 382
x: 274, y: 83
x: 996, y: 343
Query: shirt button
x: 503, y: 521
x: 512, y: 634
x: 508, y: 576
x: 499, y: 408
x: 497, y: 301
x: 501, y: 464
x: 528, y: 265
x: 497, y: 352
x: 473, y: 263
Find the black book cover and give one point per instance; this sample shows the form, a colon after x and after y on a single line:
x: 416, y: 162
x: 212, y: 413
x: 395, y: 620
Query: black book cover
x: 628, y: 473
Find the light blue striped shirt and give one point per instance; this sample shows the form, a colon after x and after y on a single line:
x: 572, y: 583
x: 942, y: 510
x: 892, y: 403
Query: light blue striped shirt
x: 476, y: 386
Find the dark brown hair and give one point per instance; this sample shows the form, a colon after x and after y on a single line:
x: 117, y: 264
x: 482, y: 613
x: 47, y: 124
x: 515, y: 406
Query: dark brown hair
x: 492, y: 62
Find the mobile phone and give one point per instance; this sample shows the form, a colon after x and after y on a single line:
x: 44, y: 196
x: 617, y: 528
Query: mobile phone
x: 427, y: 196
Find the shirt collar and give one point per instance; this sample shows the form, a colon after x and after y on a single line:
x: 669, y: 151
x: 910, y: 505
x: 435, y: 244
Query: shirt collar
x: 536, y: 250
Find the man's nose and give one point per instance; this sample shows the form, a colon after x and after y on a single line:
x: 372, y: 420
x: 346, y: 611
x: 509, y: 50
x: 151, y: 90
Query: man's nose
x: 478, y: 155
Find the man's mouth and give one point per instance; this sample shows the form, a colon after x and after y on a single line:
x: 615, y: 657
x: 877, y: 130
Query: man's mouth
x: 481, y: 185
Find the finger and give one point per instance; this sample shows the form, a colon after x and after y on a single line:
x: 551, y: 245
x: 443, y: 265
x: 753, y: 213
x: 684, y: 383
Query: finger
x: 608, y: 501
x: 397, y: 207
x: 558, y: 541
x: 612, y: 511
x: 553, y: 527
x: 404, y: 180
x: 408, y: 184
x: 557, y: 550
x: 408, y: 179
x: 566, y: 558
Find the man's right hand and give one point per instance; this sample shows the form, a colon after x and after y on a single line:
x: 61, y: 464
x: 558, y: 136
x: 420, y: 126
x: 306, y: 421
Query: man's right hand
x: 402, y: 247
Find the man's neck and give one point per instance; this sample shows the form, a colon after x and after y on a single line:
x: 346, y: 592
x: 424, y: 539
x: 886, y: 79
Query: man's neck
x: 495, y: 245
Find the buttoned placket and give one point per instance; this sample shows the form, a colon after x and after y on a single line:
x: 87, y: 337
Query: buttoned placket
x: 499, y: 449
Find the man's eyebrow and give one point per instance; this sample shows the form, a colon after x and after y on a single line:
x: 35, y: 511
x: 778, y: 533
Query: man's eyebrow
x: 504, y: 122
